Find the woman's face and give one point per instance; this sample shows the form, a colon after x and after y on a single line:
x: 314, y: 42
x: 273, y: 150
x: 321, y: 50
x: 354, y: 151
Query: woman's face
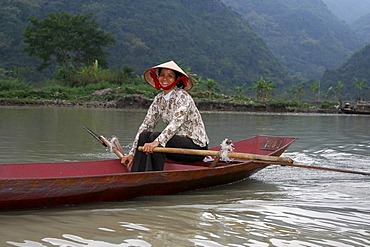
x: 167, y: 77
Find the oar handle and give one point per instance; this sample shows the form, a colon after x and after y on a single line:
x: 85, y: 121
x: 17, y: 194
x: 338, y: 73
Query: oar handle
x: 232, y: 155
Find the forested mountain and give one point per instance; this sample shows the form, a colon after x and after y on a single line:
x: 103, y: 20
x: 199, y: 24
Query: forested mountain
x: 213, y: 40
x: 205, y: 36
x: 361, y: 26
x: 356, y: 13
x: 304, y: 35
x: 348, y: 10
x: 354, y: 74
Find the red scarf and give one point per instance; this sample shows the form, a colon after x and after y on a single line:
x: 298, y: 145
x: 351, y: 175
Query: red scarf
x: 154, y: 76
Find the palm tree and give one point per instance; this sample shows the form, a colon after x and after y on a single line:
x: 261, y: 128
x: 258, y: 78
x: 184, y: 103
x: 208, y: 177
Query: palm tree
x: 297, y: 91
x: 210, y: 85
x: 239, y: 89
x: 315, y: 89
x: 263, y: 88
x: 360, y: 85
x: 337, y: 91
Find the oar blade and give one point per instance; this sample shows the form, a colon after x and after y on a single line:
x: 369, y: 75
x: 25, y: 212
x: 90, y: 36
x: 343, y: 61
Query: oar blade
x: 94, y: 135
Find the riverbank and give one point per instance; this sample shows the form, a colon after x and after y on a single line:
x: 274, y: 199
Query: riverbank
x: 141, y: 102
x: 137, y: 95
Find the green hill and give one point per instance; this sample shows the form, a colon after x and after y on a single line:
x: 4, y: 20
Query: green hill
x: 354, y: 69
x: 205, y: 36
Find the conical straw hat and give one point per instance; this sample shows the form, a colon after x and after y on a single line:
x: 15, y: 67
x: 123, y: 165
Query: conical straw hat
x: 168, y: 65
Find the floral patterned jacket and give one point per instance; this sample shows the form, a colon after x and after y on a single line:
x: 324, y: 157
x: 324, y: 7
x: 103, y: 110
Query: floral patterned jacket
x: 181, y: 116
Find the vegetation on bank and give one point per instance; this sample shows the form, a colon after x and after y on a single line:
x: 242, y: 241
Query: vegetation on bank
x: 98, y: 87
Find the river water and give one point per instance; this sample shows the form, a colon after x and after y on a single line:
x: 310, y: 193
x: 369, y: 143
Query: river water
x: 278, y: 206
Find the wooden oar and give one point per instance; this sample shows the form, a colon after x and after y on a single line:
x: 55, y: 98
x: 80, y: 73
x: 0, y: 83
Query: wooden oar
x: 118, y: 151
x: 316, y: 167
x: 262, y: 159
x: 231, y: 155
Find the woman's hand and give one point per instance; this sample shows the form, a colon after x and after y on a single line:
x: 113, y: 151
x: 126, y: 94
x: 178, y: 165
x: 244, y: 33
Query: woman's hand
x: 148, y: 147
x: 127, y: 161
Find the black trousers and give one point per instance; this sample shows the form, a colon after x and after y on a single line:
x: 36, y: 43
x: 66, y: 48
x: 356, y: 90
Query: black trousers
x: 155, y: 161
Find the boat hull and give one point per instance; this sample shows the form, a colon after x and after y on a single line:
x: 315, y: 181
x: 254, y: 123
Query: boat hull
x: 41, y: 185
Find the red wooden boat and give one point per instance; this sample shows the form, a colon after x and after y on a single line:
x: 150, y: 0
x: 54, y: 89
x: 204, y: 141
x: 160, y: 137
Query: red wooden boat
x: 41, y: 185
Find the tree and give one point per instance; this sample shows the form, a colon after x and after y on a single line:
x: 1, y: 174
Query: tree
x: 360, y: 85
x: 263, y: 88
x: 315, y: 90
x: 297, y: 90
x: 211, y: 85
x: 240, y: 89
x: 337, y: 91
x: 70, y: 41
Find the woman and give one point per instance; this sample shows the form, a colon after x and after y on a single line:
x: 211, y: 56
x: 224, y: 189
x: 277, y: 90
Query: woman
x: 185, y: 127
